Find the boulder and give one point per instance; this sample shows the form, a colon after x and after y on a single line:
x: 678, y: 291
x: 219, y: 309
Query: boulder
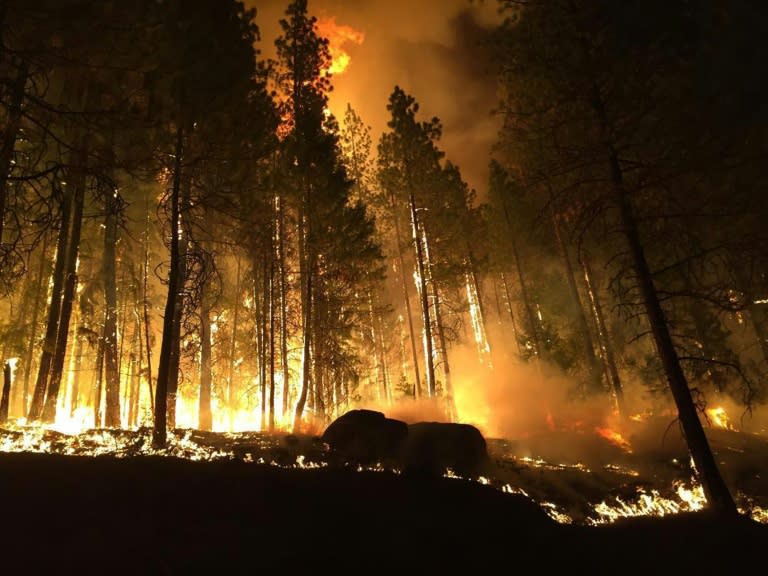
x: 366, y: 437
x: 434, y: 446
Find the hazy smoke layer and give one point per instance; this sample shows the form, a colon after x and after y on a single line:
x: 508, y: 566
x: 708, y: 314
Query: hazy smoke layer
x: 434, y: 49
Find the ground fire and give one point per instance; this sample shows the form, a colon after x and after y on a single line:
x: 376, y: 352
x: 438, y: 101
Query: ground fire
x: 334, y: 273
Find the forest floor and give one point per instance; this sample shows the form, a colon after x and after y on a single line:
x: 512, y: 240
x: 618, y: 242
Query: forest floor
x: 103, y: 503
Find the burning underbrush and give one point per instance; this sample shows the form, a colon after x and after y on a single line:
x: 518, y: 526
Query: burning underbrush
x: 580, y: 475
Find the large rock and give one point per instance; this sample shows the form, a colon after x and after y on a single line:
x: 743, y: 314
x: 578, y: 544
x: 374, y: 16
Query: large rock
x: 366, y: 437
x: 434, y: 446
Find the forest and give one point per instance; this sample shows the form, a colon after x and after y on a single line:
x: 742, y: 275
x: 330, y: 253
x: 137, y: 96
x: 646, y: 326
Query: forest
x: 191, y: 240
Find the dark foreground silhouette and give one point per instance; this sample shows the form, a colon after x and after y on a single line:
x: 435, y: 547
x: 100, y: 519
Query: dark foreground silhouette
x: 154, y: 515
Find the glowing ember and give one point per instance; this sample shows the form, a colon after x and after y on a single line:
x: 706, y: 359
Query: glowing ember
x: 615, y: 438
x: 718, y: 417
x: 338, y: 36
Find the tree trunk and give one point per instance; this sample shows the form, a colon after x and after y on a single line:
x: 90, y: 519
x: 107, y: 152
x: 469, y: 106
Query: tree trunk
x: 715, y: 489
x: 9, y: 134
x: 406, y: 298
x: 449, y: 399
x: 306, y: 361
x: 283, y: 307
x: 510, y: 311
x: 5, y: 399
x: 381, y: 385
x: 109, y: 270
x: 533, y: 322
x: 609, y: 360
x: 424, y: 297
x: 74, y: 402
x: 39, y: 287
x: 478, y: 317
x: 581, y: 317
x: 181, y: 264
x: 54, y: 309
x: 97, y: 383
x: 271, y: 351
x: 170, y: 342
x: 260, y: 309
x: 306, y: 270
x: 77, y: 182
x: 205, y: 420
x: 145, y: 306
x: 233, y: 349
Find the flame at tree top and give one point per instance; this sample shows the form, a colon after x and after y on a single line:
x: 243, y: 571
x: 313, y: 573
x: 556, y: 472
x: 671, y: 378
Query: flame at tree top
x: 338, y: 35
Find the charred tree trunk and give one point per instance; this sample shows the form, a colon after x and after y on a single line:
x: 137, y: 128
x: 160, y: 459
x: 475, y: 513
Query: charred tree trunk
x: 9, y: 134
x: 97, y: 383
x: 283, y: 305
x: 306, y: 271
x: 5, y: 399
x: 145, y: 308
x: 510, y: 311
x: 260, y: 309
x: 606, y: 349
x: 74, y: 402
x: 233, y: 349
x: 581, y: 317
x: 39, y: 288
x: 306, y: 359
x: 77, y: 181
x: 271, y: 327
x: 423, y: 297
x: 531, y: 317
x: 54, y: 310
x: 715, y: 489
x: 442, y: 343
x: 178, y: 310
x: 205, y: 420
x: 378, y: 360
x: 527, y: 304
x: 170, y: 342
x: 109, y: 268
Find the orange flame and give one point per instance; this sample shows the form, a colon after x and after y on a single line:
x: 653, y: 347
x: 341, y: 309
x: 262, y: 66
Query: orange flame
x: 615, y: 438
x: 338, y: 36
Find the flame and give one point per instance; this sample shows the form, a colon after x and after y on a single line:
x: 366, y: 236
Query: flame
x: 719, y: 418
x: 615, y: 438
x: 338, y: 36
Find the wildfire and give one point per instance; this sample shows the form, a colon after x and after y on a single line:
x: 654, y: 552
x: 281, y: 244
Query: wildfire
x: 652, y: 504
x: 719, y: 418
x: 338, y: 37
x: 615, y: 438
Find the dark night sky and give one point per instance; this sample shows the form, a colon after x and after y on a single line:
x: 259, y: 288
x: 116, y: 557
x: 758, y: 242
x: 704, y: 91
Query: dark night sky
x: 431, y: 48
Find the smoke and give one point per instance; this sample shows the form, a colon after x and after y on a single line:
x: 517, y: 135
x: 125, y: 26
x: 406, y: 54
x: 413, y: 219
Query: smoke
x: 436, y: 50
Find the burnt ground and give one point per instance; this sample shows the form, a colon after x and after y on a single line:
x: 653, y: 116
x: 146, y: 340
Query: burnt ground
x: 163, y: 515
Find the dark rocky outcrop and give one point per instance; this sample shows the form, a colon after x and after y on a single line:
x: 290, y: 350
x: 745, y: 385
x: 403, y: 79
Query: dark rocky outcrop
x: 423, y: 448
x: 434, y: 446
x: 366, y: 437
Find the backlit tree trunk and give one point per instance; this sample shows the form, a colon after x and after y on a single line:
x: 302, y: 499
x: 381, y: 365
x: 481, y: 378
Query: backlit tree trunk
x: 423, y: 297
x: 609, y: 360
x: 581, y: 318
x: 77, y: 182
x: 205, y: 421
x: 54, y: 310
x: 170, y: 342
x: 109, y: 267
x: 715, y: 489
x: 417, y: 392
x: 39, y: 289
